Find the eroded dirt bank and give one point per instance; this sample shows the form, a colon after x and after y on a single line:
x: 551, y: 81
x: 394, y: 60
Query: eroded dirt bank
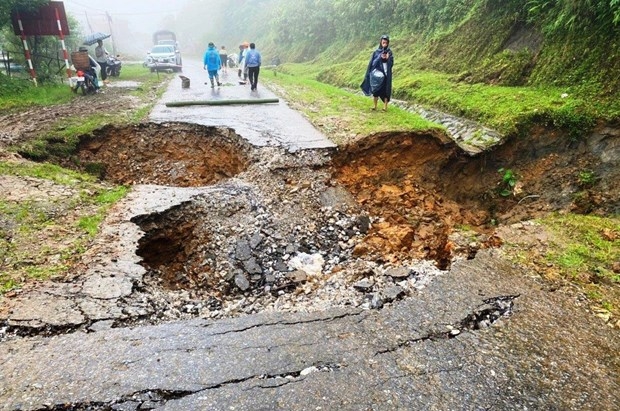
x: 365, y: 225
x: 174, y: 154
x: 424, y: 187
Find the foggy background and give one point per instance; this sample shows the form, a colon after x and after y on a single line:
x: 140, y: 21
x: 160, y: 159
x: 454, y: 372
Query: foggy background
x: 133, y: 22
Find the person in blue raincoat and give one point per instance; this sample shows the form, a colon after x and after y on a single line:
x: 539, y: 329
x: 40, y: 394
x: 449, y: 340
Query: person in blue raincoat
x: 378, y: 78
x: 212, y: 64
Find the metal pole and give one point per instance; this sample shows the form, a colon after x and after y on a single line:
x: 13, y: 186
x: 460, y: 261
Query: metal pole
x: 111, y: 32
x: 88, y: 22
x: 33, y: 74
x: 64, y: 47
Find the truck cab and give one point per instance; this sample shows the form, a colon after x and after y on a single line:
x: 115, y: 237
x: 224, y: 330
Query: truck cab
x: 165, y: 54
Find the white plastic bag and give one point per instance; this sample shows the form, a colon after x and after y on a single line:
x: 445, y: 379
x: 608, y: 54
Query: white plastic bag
x: 376, y: 80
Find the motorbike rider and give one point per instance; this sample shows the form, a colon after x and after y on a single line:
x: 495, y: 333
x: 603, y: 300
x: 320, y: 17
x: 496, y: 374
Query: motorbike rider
x: 101, y: 56
x: 92, y: 70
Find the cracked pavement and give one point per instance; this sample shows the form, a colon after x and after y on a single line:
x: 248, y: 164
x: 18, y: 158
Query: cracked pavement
x: 406, y: 356
x: 485, y: 335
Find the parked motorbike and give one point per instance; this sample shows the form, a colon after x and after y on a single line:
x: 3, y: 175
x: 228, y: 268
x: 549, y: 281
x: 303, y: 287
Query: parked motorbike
x: 232, y: 60
x: 86, y: 82
x: 114, y: 66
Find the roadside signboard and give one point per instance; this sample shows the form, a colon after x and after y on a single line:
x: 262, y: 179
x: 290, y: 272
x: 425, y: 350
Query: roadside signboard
x: 48, y: 20
x: 42, y: 22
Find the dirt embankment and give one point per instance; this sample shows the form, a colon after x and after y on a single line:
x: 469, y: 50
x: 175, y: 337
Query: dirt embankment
x: 414, y: 196
x: 424, y: 187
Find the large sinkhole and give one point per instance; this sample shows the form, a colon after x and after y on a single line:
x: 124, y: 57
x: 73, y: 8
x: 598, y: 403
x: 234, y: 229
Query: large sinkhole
x: 400, y: 198
x: 430, y: 195
x: 232, y: 241
x: 174, y: 154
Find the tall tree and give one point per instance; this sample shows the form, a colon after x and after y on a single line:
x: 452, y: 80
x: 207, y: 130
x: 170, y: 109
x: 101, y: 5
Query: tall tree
x: 8, y: 6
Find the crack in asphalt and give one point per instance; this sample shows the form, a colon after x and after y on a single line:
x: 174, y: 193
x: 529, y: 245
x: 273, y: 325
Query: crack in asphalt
x: 142, y: 397
x: 269, y: 348
x: 161, y: 397
x: 46, y: 330
x: 494, y: 309
x: 286, y: 322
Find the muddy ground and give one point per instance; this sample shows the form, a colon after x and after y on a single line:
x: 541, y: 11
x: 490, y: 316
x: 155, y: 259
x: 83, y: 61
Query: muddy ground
x: 19, y: 126
x: 377, y: 203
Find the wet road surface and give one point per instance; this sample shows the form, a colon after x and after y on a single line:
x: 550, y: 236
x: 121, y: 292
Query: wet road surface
x: 431, y: 352
x: 273, y: 124
x: 484, y: 335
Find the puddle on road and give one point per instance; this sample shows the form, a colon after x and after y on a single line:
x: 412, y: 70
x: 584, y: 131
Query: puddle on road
x: 173, y: 154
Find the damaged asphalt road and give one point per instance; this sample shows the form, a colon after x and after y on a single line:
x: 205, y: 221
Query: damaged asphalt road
x: 261, y: 124
x: 483, y: 334
x: 434, y: 351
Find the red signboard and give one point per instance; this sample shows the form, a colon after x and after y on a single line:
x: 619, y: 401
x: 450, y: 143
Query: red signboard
x: 42, y: 22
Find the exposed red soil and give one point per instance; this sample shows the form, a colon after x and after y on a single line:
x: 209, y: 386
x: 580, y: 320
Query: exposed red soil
x: 178, y: 154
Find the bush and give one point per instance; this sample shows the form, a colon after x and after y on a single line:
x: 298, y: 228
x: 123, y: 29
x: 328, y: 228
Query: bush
x: 12, y: 86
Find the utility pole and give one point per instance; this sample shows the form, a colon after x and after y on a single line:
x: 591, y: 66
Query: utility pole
x: 88, y: 22
x: 111, y: 32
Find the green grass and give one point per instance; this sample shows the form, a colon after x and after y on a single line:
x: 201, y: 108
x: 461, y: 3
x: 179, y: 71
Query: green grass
x: 584, y: 250
x: 63, y: 140
x: 136, y: 72
x: 44, y: 171
x: 74, y: 126
x: 590, y: 244
x: 42, y: 237
x: 341, y: 114
x: 28, y: 214
x: 499, y: 107
x: 21, y: 94
x: 90, y: 224
x: 507, y: 109
x: 149, y: 84
x: 43, y: 273
x: 7, y: 283
x: 111, y: 196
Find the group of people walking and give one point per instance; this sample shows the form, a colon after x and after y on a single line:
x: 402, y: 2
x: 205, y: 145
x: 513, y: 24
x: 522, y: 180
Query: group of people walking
x: 377, y: 80
x: 250, y: 61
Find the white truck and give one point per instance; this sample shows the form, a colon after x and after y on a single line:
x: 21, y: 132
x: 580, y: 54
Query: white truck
x: 165, y: 54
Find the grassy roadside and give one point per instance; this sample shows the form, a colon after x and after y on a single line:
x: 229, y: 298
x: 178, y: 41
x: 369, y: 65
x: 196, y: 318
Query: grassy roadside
x: 584, y: 251
x: 18, y: 93
x: 50, y: 214
x: 507, y: 109
x: 48, y: 219
x: 339, y: 114
x: 62, y: 137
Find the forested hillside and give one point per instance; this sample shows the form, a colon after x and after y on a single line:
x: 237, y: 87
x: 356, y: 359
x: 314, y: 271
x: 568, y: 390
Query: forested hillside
x: 508, y: 42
